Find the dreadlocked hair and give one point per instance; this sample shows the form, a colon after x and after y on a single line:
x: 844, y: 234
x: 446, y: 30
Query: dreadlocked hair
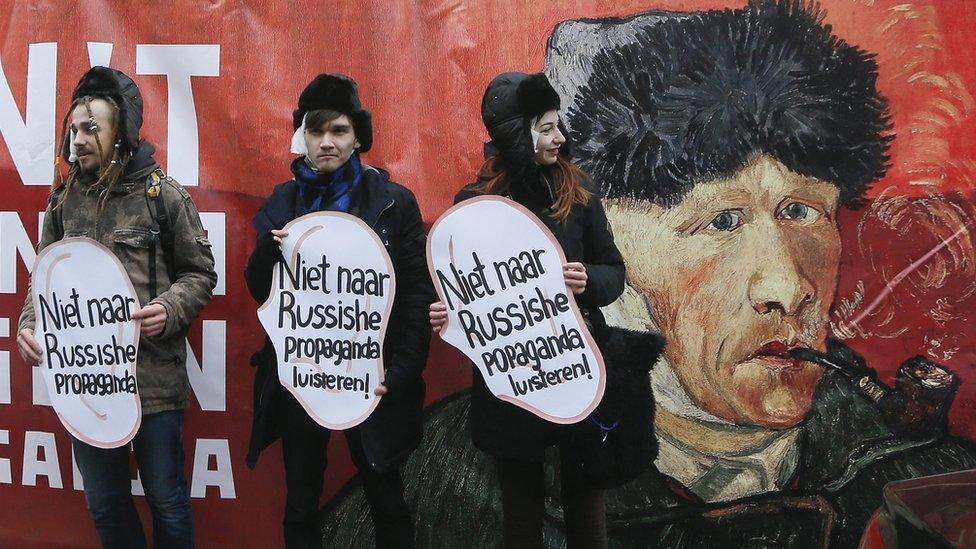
x: 108, y: 174
x: 567, y: 179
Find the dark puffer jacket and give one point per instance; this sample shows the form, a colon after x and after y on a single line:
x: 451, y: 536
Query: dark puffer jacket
x: 394, y: 428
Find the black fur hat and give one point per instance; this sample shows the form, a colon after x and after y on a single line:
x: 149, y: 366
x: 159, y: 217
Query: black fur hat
x: 108, y: 82
x: 536, y: 96
x: 511, y: 101
x: 688, y: 97
x: 336, y: 92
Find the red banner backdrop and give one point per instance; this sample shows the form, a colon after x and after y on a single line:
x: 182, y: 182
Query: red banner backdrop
x: 220, y: 80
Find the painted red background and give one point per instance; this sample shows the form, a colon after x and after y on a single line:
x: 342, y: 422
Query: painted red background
x: 422, y: 67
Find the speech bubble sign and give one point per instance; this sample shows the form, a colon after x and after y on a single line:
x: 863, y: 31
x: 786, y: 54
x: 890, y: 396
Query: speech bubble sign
x: 498, y: 270
x: 327, y: 316
x: 83, y: 302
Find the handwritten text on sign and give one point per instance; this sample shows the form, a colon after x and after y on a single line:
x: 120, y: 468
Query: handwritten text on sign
x: 499, y: 272
x: 83, y: 303
x: 327, y: 315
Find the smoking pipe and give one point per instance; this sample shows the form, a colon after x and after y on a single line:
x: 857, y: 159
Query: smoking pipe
x: 917, y: 407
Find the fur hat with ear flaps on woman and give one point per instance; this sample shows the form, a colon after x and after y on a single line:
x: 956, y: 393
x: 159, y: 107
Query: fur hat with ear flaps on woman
x: 510, y: 106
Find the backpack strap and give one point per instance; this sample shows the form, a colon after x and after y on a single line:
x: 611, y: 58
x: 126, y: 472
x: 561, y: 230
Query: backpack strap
x: 160, y: 230
x: 56, y: 216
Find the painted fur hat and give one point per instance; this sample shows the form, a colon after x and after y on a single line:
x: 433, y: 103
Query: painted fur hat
x: 661, y: 101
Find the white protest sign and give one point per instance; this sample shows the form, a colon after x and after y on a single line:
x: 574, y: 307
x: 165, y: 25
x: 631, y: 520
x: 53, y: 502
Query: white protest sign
x: 327, y: 315
x: 498, y: 270
x: 83, y: 303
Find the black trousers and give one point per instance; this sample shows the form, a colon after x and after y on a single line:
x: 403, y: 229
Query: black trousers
x: 304, y: 445
x: 522, y: 485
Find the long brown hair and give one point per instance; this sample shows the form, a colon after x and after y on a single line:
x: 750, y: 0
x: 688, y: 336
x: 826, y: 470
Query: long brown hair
x: 567, y: 179
x: 109, y: 174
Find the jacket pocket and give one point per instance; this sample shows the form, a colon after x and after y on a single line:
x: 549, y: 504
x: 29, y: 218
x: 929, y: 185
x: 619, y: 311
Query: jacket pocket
x: 132, y: 237
x: 131, y: 246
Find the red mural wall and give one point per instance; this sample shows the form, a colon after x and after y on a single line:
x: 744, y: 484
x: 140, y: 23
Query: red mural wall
x: 220, y: 80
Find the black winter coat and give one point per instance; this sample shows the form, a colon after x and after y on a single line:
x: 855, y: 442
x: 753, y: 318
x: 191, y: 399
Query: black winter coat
x: 393, y: 430
x: 500, y: 428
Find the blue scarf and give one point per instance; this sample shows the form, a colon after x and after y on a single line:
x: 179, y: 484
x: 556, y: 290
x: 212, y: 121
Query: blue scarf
x: 336, y: 191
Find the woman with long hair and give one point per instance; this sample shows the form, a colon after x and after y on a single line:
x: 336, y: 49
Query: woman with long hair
x: 528, y: 161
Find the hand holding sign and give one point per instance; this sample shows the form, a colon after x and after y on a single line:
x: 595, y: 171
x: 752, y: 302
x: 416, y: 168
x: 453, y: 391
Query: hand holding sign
x: 88, y: 338
x: 152, y: 317
x: 30, y: 349
x: 327, y: 315
x: 505, y: 303
x: 575, y: 274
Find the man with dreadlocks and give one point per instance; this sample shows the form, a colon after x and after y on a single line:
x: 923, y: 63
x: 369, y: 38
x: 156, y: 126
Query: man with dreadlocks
x: 115, y: 193
x: 724, y: 143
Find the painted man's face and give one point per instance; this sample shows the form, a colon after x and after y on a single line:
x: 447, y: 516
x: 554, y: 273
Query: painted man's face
x: 739, y: 272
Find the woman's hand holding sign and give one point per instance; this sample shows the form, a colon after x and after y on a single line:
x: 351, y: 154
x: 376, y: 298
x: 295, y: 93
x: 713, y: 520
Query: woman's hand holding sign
x: 575, y: 274
x: 438, y: 315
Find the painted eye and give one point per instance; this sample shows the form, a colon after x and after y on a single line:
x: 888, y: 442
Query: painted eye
x: 728, y: 220
x: 799, y: 212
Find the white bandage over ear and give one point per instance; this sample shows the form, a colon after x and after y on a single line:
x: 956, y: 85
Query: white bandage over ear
x: 535, y: 134
x: 298, y: 140
x: 72, y: 150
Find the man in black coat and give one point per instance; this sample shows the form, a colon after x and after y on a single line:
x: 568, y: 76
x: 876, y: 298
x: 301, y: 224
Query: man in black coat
x: 332, y: 129
x: 724, y: 143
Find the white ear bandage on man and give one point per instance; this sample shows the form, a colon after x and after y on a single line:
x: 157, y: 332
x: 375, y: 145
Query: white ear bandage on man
x: 298, y: 140
x: 72, y: 150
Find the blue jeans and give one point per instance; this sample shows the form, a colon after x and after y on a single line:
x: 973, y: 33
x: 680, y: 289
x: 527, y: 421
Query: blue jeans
x: 108, y: 489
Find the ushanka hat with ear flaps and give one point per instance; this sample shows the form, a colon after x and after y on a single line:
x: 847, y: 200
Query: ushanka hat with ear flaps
x: 662, y: 100
x: 512, y: 102
x: 335, y: 92
x: 101, y: 82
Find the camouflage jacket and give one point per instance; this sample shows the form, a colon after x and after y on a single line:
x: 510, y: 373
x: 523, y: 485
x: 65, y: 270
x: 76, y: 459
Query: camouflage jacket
x: 122, y: 225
